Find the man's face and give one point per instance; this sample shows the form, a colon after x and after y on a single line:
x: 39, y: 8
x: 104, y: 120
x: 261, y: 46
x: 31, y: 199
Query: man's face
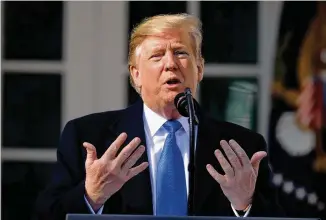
x: 165, y: 65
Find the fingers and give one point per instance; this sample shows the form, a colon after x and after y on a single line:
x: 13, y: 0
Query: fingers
x: 136, y: 170
x: 256, y: 159
x: 91, y: 153
x: 240, y: 153
x: 231, y: 155
x: 218, y: 177
x: 224, y: 163
x: 133, y: 159
x: 111, y: 152
x: 127, y: 151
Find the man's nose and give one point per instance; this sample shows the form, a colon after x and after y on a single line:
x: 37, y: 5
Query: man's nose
x: 171, y: 63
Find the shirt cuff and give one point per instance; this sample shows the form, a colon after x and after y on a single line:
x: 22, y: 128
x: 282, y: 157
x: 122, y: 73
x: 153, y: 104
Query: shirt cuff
x: 246, y: 212
x: 99, y: 212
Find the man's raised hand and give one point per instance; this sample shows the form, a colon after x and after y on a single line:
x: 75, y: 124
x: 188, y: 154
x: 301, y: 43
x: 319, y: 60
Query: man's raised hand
x: 106, y: 175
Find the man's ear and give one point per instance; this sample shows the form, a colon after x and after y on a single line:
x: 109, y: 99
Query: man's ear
x: 200, y: 70
x: 136, y: 76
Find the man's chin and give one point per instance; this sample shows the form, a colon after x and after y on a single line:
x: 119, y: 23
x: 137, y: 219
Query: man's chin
x: 169, y: 97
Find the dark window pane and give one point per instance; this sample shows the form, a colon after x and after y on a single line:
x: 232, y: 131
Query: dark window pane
x: 230, y: 99
x: 230, y: 31
x: 31, y: 106
x: 20, y: 186
x: 33, y: 30
x: 133, y: 96
x: 138, y: 10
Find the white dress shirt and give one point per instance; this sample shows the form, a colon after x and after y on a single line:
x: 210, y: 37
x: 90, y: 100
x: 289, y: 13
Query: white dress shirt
x: 155, y: 137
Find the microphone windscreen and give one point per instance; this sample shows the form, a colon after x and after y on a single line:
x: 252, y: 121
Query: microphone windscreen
x: 180, y: 103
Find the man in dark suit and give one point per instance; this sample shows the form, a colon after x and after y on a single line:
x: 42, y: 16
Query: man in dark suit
x: 134, y: 161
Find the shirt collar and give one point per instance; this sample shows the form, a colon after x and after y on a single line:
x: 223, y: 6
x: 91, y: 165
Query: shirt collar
x: 156, y: 121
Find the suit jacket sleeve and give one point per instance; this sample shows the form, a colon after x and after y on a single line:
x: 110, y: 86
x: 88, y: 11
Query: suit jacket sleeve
x: 65, y: 193
x: 265, y: 200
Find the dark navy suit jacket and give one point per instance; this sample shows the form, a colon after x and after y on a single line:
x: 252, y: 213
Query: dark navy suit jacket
x: 65, y: 192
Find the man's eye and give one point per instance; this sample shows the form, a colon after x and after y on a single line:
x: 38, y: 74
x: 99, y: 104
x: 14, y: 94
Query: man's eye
x: 181, y: 52
x: 156, y: 55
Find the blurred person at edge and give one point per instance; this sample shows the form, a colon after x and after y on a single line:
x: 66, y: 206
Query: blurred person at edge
x: 114, y: 162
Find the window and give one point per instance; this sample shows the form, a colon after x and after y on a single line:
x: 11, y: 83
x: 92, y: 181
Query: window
x: 32, y: 70
x: 230, y: 31
x: 33, y: 30
x: 31, y: 109
x: 231, y: 99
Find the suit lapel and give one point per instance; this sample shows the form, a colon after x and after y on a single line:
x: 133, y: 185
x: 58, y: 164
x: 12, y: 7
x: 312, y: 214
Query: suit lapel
x: 136, y: 193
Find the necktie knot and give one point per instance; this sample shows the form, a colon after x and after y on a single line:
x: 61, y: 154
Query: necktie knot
x: 172, y: 126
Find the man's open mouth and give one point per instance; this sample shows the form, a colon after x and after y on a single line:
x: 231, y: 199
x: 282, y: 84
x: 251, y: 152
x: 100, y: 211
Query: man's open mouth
x: 173, y: 81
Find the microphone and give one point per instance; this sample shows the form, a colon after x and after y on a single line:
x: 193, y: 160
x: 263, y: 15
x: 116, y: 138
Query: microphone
x: 181, y: 103
x: 185, y: 105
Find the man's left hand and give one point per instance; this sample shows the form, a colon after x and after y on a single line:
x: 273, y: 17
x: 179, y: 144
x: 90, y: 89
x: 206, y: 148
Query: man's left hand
x: 238, y: 183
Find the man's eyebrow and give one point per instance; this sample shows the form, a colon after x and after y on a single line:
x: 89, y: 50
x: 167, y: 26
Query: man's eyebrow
x: 179, y: 47
x: 155, y: 48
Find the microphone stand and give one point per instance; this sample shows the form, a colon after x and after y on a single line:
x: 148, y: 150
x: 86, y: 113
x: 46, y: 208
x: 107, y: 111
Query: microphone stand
x: 193, y: 121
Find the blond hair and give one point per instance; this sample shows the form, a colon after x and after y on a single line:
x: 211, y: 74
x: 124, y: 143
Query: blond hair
x: 160, y: 23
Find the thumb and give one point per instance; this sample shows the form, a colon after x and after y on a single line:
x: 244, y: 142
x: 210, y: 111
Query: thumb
x: 256, y: 159
x: 91, y: 153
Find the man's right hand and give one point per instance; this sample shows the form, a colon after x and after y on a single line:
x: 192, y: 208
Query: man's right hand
x: 106, y: 175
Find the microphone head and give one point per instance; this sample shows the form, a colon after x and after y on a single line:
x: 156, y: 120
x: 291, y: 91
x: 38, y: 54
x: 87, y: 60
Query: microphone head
x: 180, y: 103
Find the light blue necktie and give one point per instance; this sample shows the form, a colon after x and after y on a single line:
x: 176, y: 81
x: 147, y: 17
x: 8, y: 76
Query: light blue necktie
x: 171, y: 192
